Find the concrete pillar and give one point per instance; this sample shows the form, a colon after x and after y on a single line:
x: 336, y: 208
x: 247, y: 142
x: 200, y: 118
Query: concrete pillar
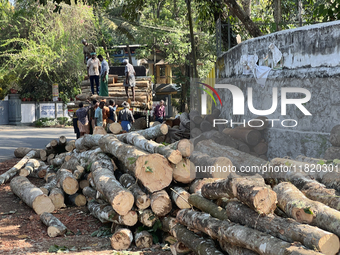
x: 14, y: 110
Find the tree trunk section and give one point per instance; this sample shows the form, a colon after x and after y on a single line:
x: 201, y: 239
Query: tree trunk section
x: 296, y: 205
x: 57, y: 197
x: 31, y: 195
x: 184, y: 171
x: 87, y: 142
x: 49, y: 186
x: 77, y: 199
x: 195, y: 186
x: 286, y: 229
x: 55, y: 226
x: 184, y: 146
x: 31, y: 166
x: 142, y: 200
x: 153, y: 170
x: 161, y: 203
x: 143, y: 239
x: 149, y: 133
x: 185, y: 120
x: 147, y: 218
x: 249, y: 136
x: 67, y: 182
x: 180, y: 197
x: 23, y: 151
x: 89, y: 193
x: 79, y: 173
x: 115, y: 128
x: 99, y: 131
x: 70, y: 146
x: 121, y: 239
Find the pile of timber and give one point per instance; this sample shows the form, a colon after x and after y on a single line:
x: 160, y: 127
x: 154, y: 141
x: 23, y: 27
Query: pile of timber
x: 144, y: 188
x: 143, y: 92
x: 333, y: 152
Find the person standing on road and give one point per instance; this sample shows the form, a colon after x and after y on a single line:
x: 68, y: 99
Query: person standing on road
x: 113, y: 109
x: 104, y: 77
x: 130, y: 80
x: 92, y: 110
x: 93, y: 71
x: 98, y: 116
x: 83, y: 121
x: 87, y: 49
x: 160, y: 111
x: 106, y: 114
x: 126, y: 117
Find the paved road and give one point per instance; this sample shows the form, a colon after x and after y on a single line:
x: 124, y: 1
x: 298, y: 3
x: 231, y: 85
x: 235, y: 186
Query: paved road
x: 12, y: 137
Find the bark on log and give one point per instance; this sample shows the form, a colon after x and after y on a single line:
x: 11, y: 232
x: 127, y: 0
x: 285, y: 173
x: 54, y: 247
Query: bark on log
x: 251, y: 191
x: 79, y: 173
x: 196, y: 117
x: 121, y: 239
x: 179, y: 248
x: 57, y: 197
x: 62, y: 141
x: 185, y: 120
x: 87, y: 142
x: 161, y: 203
x: 23, y: 151
x: 226, y: 140
x: 142, y: 200
x: 89, y: 193
x: 238, y: 158
x: 286, y: 229
x: 261, y: 148
x: 180, y: 197
x: 213, y: 165
x: 153, y: 170
x: 77, y: 199
x: 143, y: 239
x: 31, y: 195
x: 70, y: 146
x: 147, y: 218
x: 59, y: 159
x: 335, y: 136
x: 49, y: 186
x: 296, y: 205
x: 196, y: 185
x: 55, y: 226
x: 184, y: 171
x: 239, y: 235
x: 13, y: 171
x: 105, y: 213
x: 50, y: 175
x: 30, y: 167
x: 67, y: 182
x: 250, y: 136
x: 115, y: 128
x: 149, y: 133
x: 234, y: 250
x: 196, y: 244
x: 195, y: 132
x: 50, y: 158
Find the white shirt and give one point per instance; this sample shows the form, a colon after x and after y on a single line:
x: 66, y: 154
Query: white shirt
x: 93, y: 65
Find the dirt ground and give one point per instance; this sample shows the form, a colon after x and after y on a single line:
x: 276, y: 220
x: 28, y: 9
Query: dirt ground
x: 22, y: 232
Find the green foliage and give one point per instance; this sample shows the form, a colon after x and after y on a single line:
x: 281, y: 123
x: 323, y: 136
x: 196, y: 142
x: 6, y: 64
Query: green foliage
x: 308, y: 210
x: 154, y: 230
x: 60, y: 249
x: 49, y: 122
x: 103, y: 231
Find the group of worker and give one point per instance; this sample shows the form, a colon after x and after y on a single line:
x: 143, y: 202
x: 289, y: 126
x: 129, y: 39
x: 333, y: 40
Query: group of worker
x: 98, y: 72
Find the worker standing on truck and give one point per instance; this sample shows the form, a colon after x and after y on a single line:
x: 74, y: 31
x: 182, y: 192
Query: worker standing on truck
x: 98, y: 116
x: 93, y: 71
x: 87, y: 49
x: 104, y: 77
x: 126, y: 117
x: 129, y: 80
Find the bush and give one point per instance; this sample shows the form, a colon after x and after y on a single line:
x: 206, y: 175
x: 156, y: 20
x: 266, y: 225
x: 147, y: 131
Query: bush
x: 49, y: 122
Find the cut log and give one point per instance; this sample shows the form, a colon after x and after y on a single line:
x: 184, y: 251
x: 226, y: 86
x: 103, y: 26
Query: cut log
x: 57, y: 197
x: 206, y: 126
x: 238, y: 158
x: 70, y: 146
x: 286, y: 229
x: 23, y: 151
x: 115, y: 128
x: 160, y: 139
x: 67, y: 182
x: 251, y: 191
x: 87, y: 142
x: 84, y: 184
x: 142, y: 200
x: 217, y: 167
x: 179, y: 248
x: 332, y: 153
x: 89, y: 193
x: 238, y: 235
x: 149, y: 133
x: 55, y: 226
x: 99, y: 131
x: 31, y: 195
x: 234, y: 250
x: 261, y: 148
x: 161, y: 203
x: 62, y: 141
x: 50, y: 175
x: 296, y: 205
x: 54, y: 144
x: 143, y: 239
x: 196, y: 185
x: 195, y: 132
x: 180, y: 197
x: 184, y: 171
x: 105, y: 213
x: 77, y: 199
x: 31, y: 166
x: 13, y: 171
x: 153, y: 170
x: 121, y: 239
x: 184, y: 146
x: 49, y: 186
x: 50, y: 158
x: 250, y: 136
x: 196, y: 117
x: 58, y: 160
x: 147, y: 218
x: 78, y: 174
x: 185, y: 120
x: 195, y: 243
x: 335, y: 136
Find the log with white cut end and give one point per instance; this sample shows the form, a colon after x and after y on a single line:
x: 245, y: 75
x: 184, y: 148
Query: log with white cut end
x: 62, y: 141
x: 217, y: 167
x: 98, y: 130
x: 250, y: 190
x: 105, y: 213
x: 23, y: 151
x: 239, y: 235
x: 31, y: 195
x: 55, y: 226
x: 57, y: 197
x: 87, y: 142
x: 84, y: 183
x: 250, y: 136
x: 147, y: 218
x: 184, y: 146
x: 143, y: 239
x: 153, y: 170
x: 149, y: 133
x: 54, y: 144
x: 78, y: 174
x: 161, y: 203
x: 296, y: 205
x: 13, y: 171
x: 188, y: 238
x: 174, y: 156
x: 77, y: 199
x: 180, y: 197
x: 106, y: 183
x: 142, y: 200
x: 121, y: 239
x: 286, y: 229
x: 238, y: 158
x: 179, y: 248
x: 184, y: 171
x: 50, y: 158
x: 67, y: 182
x: 70, y: 146
x: 31, y: 165
x: 115, y: 128
x: 49, y: 186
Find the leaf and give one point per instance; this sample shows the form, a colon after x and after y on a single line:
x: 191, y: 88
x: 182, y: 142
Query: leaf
x: 288, y: 163
x: 151, y: 217
x: 307, y: 210
x: 155, y: 239
x: 132, y: 160
x: 148, y: 169
x: 95, y: 233
x: 321, y: 162
x: 145, y: 162
x: 336, y: 161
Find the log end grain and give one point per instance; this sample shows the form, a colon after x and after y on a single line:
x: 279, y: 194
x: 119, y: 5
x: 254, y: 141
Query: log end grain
x: 123, y: 202
x: 121, y: 239
x: 42, y: 204
x: 329, y: 244
x: 143, y: 239
x: 130, y: 219
x: 70, y: 185
x: 265, y: 200
x: 161, y: 203
x: 143, y: 202
x: 54, y: 231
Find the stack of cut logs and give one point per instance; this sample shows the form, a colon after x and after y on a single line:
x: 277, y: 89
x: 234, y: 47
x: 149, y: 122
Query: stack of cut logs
x: 143, y: 92
x: 132, y: 181
x: 333, y: 152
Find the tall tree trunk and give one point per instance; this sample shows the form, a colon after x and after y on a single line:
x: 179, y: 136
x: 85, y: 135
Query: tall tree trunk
x: 246, y: 4
x: 277, y: 14
x: 129, y: 53
x: 192, y: 39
